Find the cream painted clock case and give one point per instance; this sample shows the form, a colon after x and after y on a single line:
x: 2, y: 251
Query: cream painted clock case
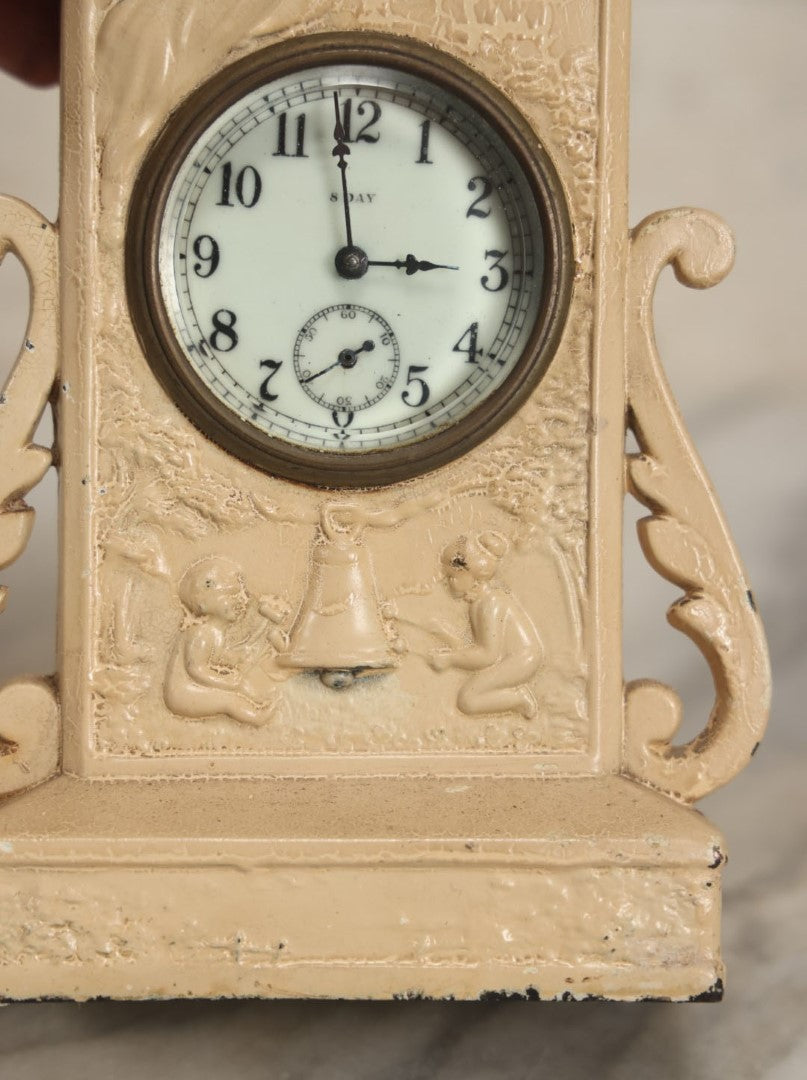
x: 343, y: 327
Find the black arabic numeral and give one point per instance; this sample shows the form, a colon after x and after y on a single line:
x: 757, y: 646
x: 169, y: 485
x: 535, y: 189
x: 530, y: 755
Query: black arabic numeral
x: 411, y: 377
x: 470, y: 350
x: 375, y: 108
x: 299, y: 142
x: 347, y: 117
x: 247, y: 186
x: 226, y: 179
x: 424, y: 158
x: 274, y: 366
x: 487, y: 187
x: 504, y: 276
x: 206, y: 251
x: 224, y: 331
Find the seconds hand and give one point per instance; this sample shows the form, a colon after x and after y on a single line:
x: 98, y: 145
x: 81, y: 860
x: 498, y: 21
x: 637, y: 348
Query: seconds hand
x: 346, y: 359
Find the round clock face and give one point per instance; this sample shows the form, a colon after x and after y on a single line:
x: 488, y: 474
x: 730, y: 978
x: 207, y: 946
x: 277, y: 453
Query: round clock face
x: 349, y: 260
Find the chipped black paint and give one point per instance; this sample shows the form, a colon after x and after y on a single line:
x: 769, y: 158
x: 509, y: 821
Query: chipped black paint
x: 719, y: 858
x: 530, y: 994
x: 714, y: 993
x: 751, y: 601
x: 419, y: 995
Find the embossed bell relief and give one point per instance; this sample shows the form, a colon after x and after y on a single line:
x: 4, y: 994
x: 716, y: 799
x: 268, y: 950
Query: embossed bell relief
x: 344, y: 329
x: 339, y: 633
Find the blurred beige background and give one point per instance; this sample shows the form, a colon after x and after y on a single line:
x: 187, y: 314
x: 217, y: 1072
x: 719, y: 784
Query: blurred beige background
x: 719, y: 105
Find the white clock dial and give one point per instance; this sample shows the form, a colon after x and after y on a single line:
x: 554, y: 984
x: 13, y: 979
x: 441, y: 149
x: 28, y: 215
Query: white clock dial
x: 256, y: 219
x: 351, y: 258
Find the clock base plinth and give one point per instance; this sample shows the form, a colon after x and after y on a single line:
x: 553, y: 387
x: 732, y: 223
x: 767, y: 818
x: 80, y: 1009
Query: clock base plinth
x: 380, y: 888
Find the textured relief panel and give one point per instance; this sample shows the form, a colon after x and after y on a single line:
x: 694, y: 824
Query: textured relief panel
x: 326, y: 639
x: 236, y: 613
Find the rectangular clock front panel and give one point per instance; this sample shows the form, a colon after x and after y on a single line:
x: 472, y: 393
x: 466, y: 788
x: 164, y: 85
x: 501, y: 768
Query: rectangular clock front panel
x: 224, y: 608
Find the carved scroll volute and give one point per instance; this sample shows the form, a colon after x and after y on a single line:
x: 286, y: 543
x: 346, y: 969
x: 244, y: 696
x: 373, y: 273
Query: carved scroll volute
x: 686, y: 539
x: 29, y: 714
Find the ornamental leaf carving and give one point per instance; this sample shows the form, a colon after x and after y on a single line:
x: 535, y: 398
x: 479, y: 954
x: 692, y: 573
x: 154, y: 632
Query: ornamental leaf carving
x: 28, y: 708
x: 686, y: 539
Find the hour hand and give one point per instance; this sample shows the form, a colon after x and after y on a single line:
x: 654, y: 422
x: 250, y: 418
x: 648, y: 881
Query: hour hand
x: 411, y: 265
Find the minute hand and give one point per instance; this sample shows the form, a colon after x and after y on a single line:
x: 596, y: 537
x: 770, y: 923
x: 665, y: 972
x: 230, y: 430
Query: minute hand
x: 411, y: 265
x: 341, y: 151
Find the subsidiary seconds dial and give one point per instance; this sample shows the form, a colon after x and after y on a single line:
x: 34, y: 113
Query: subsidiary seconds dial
x: 349, y: 259
x: 337, y: 376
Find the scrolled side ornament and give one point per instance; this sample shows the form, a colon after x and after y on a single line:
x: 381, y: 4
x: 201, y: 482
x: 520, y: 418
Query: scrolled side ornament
x: 29, y: 711
x: 686, y: 539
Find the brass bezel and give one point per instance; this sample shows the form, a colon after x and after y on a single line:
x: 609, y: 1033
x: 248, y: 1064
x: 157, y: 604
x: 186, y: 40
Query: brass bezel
x: 322, y: 468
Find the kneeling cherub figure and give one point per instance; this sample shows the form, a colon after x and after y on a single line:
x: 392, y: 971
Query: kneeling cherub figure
x: 506, y: 652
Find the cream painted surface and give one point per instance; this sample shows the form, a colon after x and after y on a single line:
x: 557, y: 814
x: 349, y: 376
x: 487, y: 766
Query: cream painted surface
x: 781, y: 905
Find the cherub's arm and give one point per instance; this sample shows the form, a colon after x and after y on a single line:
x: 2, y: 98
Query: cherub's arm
x: 257, y: 638
x: 486, y: 626
x: 197, y: 653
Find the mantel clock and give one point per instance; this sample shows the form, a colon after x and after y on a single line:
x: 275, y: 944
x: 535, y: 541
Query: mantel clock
x: 344, y: 329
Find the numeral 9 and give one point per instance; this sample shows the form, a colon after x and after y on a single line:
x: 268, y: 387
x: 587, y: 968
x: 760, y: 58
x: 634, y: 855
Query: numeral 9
x: 206, y: 250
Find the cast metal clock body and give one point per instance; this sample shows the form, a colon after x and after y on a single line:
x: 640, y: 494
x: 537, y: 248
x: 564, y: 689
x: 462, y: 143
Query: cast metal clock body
x: 310, y: 742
